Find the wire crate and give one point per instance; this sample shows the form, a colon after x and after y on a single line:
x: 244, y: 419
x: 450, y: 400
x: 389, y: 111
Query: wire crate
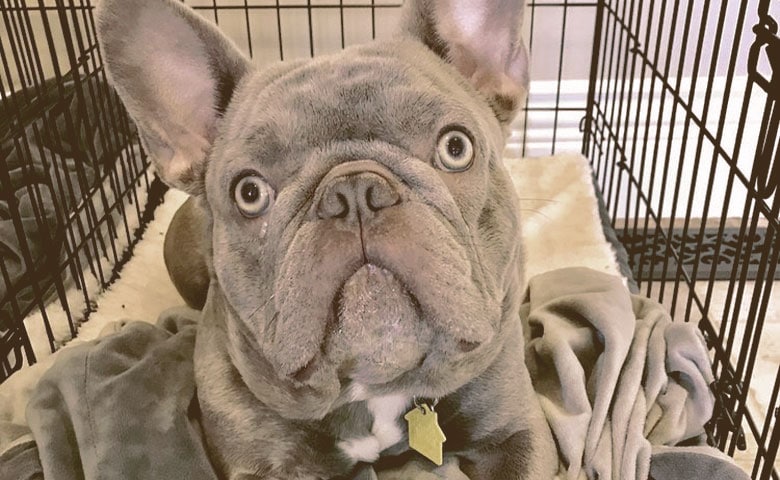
x: 682, y: 132
x: 74, y: 182
x: 674, y: 103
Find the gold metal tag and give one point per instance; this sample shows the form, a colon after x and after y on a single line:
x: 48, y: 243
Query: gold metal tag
x: 425, y: 435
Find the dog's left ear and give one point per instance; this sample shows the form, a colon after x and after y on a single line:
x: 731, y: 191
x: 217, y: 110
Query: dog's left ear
x: 482, y: 39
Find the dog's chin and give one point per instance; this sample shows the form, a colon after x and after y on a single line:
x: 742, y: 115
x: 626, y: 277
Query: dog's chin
x: 378, y: 332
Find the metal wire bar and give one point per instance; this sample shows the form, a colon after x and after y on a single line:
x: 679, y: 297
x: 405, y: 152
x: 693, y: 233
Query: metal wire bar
x: 624, y: 141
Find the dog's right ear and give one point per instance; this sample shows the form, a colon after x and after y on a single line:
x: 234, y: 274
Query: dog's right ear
x: 481, y: 39
x: 175, y: 73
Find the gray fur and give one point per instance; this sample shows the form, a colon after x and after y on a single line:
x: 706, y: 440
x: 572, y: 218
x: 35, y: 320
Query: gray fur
x: 374, y: 272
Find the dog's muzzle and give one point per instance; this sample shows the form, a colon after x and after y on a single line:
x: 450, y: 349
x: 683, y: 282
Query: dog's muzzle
x: 376, y: 333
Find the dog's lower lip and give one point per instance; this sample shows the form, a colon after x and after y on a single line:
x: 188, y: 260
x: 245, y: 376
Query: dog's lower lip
x: 337, y: 299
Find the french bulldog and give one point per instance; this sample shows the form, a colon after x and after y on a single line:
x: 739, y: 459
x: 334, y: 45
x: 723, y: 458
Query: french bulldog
x: 352, y: 237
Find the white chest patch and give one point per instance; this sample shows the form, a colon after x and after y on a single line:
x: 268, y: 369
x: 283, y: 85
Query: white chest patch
x: 385, y: 431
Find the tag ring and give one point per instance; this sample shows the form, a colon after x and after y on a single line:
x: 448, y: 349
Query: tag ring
x: 422, y: 409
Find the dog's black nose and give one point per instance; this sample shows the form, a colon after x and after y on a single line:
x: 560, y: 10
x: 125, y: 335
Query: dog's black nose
x: 356, y: 195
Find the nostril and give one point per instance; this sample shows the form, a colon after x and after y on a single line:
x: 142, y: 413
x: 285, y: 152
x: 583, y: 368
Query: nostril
x: 333, y: 204
x: 381, y: 196
x: 343, y: 206
x: 370, y: 199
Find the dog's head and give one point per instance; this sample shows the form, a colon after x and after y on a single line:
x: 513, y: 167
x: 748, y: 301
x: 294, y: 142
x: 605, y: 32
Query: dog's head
x: 363, y: 232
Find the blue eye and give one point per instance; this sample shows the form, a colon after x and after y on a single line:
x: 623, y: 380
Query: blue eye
x: 454, y: 152
x: 253, y: 196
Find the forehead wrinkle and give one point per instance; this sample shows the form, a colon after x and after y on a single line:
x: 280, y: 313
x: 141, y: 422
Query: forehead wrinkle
x: 356, y: 103
x: 379, y: 72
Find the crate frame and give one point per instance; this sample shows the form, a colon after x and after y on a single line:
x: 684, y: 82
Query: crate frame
x: 673, y: 256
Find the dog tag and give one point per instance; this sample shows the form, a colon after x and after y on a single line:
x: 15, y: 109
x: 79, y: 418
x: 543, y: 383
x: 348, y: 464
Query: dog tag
x: 425, y: 435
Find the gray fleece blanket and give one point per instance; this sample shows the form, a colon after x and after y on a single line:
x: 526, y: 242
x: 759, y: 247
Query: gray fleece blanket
x: 619, y: 382
x: 122, y: 406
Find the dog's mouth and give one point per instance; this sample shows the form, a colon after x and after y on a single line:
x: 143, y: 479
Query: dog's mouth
x: 377, y: 331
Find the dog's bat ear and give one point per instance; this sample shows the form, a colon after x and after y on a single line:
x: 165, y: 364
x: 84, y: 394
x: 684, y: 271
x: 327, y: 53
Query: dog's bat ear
x: 482, y: 39
x: 175, y: 73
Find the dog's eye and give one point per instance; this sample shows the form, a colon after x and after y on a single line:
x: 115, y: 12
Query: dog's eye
x: 253, y: 196
x: 455, y: 152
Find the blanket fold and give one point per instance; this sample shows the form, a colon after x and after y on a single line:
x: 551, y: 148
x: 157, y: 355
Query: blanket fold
x: 615, y: 377
x: 123, y: 406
